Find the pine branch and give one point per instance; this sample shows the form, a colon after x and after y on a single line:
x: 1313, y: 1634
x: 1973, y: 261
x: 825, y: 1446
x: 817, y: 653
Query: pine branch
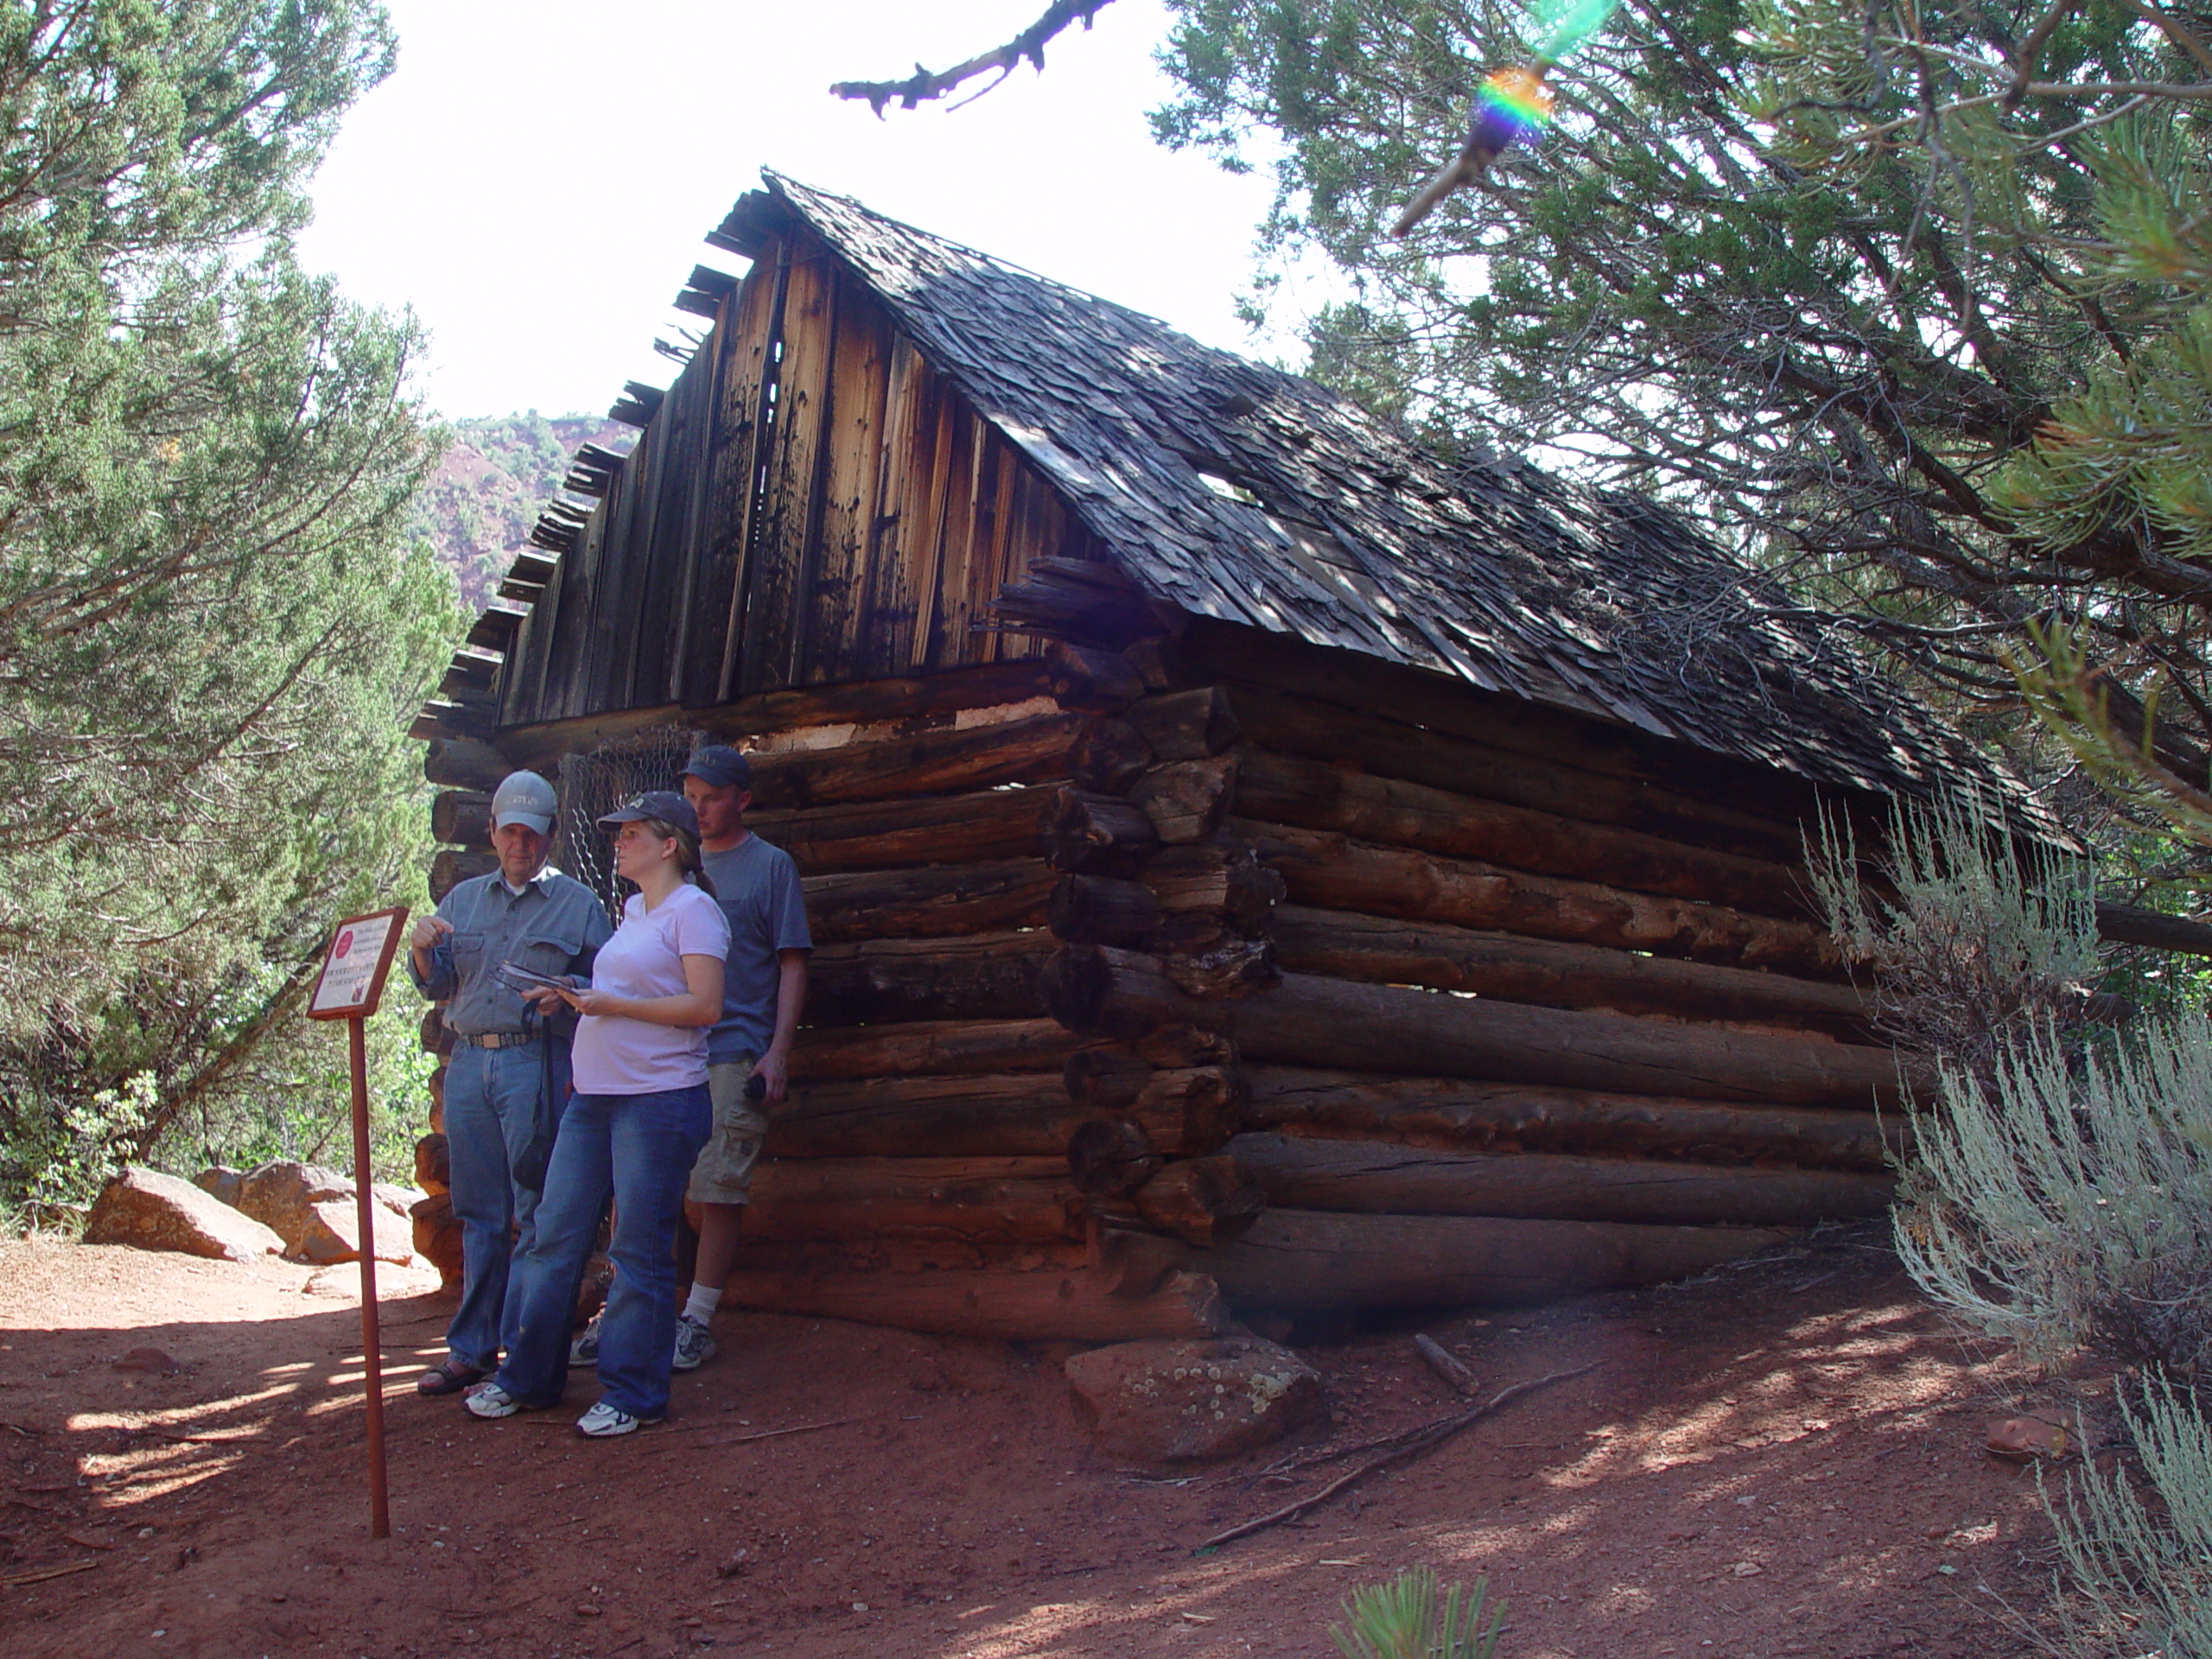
x: 924, y: 84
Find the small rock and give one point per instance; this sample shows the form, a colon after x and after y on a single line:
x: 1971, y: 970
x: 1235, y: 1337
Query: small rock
x: 220, y: 1182
x: 282, y: 1196
x: 148, y: 1359
x: 1173, y: 1402
x: 734, y: 1563
x: 433, y: 1165
x: 154, y: 1212
x: 334, y: 1234
x: 437, y: 1235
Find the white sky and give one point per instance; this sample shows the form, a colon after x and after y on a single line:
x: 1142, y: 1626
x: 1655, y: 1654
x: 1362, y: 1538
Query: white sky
x: 535, y: 178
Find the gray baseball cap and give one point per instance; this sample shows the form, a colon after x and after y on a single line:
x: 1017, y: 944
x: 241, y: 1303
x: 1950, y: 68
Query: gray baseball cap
x: 524, y: 797
x: 664, y: 804
x: 720, y: 766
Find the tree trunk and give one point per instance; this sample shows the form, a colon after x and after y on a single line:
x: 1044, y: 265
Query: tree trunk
x: 981, y: 977
x: 938, y: 901
x: 1309, y: 1263
x: 999, y: 823
x: 1104, y: 910
x: 1332, y: 872
x: 1313, y: 794
x: 1014, y: 1115
x: 932, y: 1047
x: 1553, y: 974
x: 993, y: 1198
x: 1378, y: 1178
x: 1311, y: 1020
x: 1448, y: 1112
x: 448, y: 869
x: 1099, y: 682
x: 461, y: 817
x: 1109, y: 756
x: 1043, y: 1306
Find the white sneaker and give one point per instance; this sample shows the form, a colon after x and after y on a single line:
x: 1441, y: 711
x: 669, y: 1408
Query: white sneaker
x: 694, y: 1347
x: 583, y: 1352
x: 490, y: 1401
x: 604, y: 1422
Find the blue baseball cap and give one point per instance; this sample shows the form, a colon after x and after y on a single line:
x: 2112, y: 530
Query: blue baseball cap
x: 664, y: 804
x: 720, y: 767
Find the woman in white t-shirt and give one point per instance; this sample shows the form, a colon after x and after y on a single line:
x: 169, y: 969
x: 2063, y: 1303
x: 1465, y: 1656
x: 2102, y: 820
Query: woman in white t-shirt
x: 633, y: 1128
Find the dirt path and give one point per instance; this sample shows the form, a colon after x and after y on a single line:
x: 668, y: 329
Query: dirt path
x: 1779, y: 1460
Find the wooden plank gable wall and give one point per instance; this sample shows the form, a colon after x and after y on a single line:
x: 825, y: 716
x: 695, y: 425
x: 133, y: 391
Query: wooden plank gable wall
x: 811, y: 503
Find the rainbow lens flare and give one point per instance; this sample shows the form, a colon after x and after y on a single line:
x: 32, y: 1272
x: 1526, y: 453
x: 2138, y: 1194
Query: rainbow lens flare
x: 1513, y: 103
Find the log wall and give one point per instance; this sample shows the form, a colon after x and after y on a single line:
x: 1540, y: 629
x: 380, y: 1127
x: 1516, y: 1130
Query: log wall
x: 1148, y: 970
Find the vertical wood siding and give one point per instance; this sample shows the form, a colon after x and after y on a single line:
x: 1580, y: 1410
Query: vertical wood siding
x: 811, y: 504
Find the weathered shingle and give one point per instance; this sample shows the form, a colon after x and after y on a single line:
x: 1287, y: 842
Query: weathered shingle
x: 1327, y: 524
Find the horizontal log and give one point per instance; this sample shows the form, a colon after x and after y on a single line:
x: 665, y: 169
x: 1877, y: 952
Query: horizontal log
x: 1187, y: 1111
x: 435, y: 1035
x: 929, y: 901
x: 1017, y: 1115
x: 1451, y: 1112
x: 1380, y: 1177
x: 461, y: 817
x: 1098, y: 832
x: 1097, y: 681
x: 939, y: 1048
x: 1096, y: 605
x: 1186, y: 799
x: 1042, y: 1307
x: 930, y: 763
x: 1312, y: 1020
x: 1109, y: 1157
x: 1107, y: 757
x: 978, y: 976
x: 1314, y: 795
x: 922, y: 698
x: 1552, y: 973
x: 1185, y: 725
x: 464, y: 763
x: 1008, y: 1199
x: 1294, y: 725
x: 1229, y: 882
x: 1203, y: 1201
x: 996, y: 823
x: 1333, y: 871
x: 448, y: 869
x: 1104, y: 910
x: 1309, y: 1263
x: 1442, y: 702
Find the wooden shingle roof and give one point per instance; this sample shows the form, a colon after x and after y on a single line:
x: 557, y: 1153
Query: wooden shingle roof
x: 1237, y: 492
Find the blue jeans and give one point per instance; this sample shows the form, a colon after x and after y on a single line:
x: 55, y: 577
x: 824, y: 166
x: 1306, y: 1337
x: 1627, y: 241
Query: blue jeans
x: 640, y: 1148
x: 491, y: 1098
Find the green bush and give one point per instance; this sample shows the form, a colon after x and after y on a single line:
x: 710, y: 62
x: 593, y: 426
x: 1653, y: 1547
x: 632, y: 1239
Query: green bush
x: 1412, y: 1616
x: 2147, y: 1581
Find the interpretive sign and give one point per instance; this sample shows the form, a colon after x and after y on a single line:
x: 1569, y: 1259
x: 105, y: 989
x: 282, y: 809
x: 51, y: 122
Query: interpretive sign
x: 353, y: 972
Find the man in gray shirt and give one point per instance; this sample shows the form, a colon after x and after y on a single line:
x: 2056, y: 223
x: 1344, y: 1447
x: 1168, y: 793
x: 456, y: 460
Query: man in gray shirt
x: 508, y: 1078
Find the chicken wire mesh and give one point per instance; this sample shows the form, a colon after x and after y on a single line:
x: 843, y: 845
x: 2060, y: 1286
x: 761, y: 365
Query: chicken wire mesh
x: 601, y: 781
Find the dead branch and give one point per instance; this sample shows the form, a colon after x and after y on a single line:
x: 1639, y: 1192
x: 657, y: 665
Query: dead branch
x: 1415, y: 1443
x: 924, y: 84
x: 1445, y: 1364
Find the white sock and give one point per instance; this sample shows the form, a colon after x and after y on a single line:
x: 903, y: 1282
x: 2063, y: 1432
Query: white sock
x: 703, y: 1301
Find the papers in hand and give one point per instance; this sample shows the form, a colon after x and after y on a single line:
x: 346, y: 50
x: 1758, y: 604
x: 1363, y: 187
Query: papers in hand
x: 527, y: 980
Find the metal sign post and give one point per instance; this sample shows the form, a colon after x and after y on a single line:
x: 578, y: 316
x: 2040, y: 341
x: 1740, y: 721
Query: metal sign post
x: 349, y: 988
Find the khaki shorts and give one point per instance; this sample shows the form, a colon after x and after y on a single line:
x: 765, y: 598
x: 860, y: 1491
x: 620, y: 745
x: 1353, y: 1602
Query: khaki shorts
x: 723, y: 1173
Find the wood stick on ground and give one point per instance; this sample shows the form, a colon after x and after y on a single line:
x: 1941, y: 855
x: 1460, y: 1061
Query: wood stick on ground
x: 769, y: 1433
x: 1446, y: 1365
x: 1427, y: 1440
x: 39, y: 1575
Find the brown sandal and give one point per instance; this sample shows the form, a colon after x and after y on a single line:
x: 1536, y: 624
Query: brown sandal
x: 448, y: 1377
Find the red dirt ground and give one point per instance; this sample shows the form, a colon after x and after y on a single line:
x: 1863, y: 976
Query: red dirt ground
x: 1783, y: 1459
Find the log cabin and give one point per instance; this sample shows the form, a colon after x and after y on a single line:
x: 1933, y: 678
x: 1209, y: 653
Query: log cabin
x: 1260, y: 868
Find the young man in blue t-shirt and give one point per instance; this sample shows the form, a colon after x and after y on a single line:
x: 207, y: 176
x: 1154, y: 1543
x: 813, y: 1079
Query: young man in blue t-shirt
x: 764, y: 989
